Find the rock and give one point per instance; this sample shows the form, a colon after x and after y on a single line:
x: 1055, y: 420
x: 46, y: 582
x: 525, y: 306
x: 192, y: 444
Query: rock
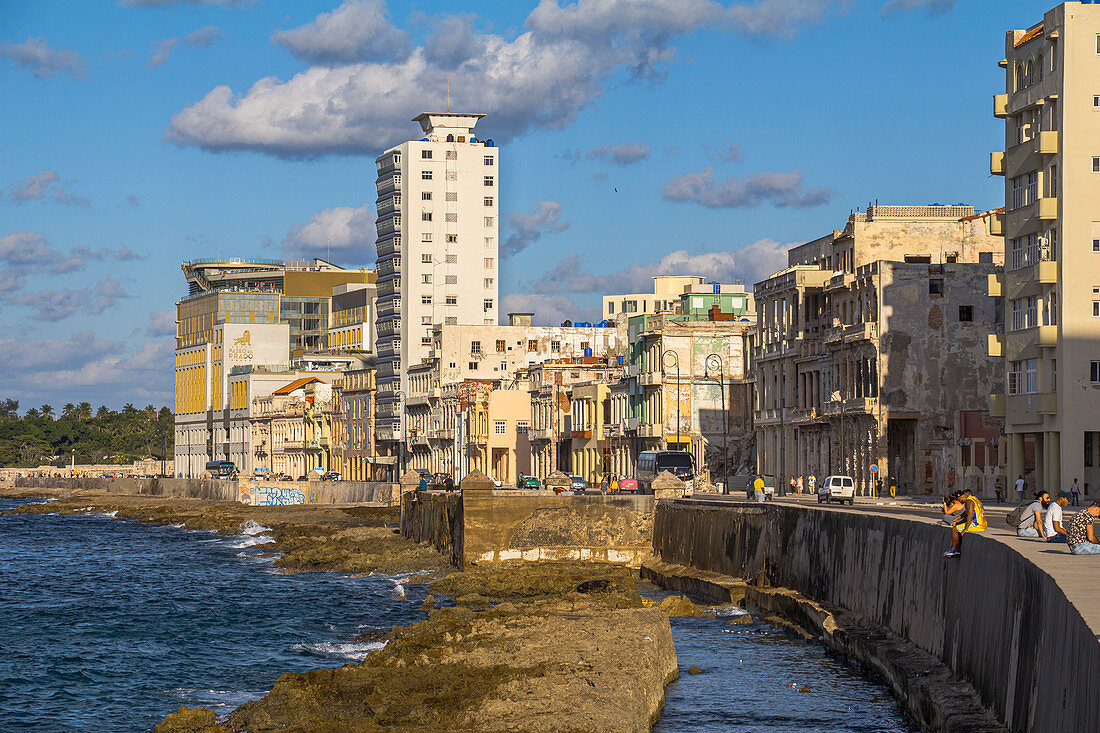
x: 371, y: 636
x: 428, y: 604
x: 680, y: 606
x: 190, y: 720
x: 694, y: 670
x: 743, y: 618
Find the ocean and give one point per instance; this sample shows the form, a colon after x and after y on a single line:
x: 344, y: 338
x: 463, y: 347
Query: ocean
x: 109, y: 625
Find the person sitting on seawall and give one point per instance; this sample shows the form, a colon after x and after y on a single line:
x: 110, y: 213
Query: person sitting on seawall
x: 1081, y: 534
x: 1052, y: 523
x: 953, y: 509
x: 1031, y: 522
x: 758, y: 489
x: 973, y: 520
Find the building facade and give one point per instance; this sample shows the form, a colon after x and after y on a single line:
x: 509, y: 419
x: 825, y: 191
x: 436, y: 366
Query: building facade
x: 1051, y: 283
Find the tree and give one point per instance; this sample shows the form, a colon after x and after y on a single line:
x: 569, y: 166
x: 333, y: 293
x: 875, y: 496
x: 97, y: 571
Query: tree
x: 47, y: 411
x: 102, y: 411
x: 69, y: 410
x: 84, y: 411
x: 9, y: 408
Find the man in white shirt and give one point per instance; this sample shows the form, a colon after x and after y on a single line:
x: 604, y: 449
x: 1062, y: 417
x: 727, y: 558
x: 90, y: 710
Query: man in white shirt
x: 1021, y: 486
x: 1052, y: 522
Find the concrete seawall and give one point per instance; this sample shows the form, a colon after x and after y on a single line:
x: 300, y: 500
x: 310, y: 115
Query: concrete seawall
x: 245, y: 490
x: 992, y: 617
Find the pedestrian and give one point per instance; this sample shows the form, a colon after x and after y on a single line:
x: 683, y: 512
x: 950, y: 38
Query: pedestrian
x: 813, y: 483
x: 423, y: 485
x: 1031, y: 521
x: 999, y: 490
x: 1052, y: 522
x: 878, y: 487
x: 1075, y: 493
x: 793, y: 485
x: 973, y: 520
x: 1021, y: 486
x: 449, y: 484
x: 604, y: 485
x: 1081, y: 534
x: 614, y: 484
x: 758, y: 489
x: 800, y: 484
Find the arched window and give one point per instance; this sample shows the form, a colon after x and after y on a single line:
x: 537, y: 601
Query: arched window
x: 1019, y: 77
x: 1028, y: 71
x: 450, y: 138
x: 1039, y: 67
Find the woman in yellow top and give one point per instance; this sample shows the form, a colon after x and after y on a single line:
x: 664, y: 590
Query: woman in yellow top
x: 972, y: 519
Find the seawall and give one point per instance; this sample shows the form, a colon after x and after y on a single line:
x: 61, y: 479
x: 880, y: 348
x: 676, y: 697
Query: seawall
x: 992, y: 618
x: 259, y: 493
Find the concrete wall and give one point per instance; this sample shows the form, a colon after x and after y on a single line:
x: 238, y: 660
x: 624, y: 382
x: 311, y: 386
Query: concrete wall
x: 434, y: 517
x: 248, y: 492
x: 992, y: 617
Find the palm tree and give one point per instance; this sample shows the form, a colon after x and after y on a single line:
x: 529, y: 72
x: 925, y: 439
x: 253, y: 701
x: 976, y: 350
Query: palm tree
x: 102, y: 411
x: 69, y: 410
x: 46, y: 410
x: 84, y: 411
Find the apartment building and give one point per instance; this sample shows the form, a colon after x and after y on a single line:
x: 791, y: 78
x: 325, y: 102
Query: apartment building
x: 354, y: 452
x: 352, y: 325
x: 871, y: 351
x: 437, y: 247
x: 1051, y: 226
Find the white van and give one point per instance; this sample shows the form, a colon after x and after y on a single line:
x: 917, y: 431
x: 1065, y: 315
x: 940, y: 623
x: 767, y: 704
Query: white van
x: 837, y: 488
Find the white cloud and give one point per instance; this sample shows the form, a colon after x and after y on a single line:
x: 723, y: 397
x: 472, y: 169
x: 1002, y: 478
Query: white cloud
x: 347, y: 234
x: 36, y: 55
x: 778, y: 189
x: 548, y: 310
x: 162, y: 324
x: 40, y: 185
x: 726, y: 151
x: 528, y: 227
x: 55, y: 305
x: 621, y: 154
x: 200, y: 38
x: 358, y: 30
x: 747, y: 264
x: 932, y: 6
x: 542, y: 78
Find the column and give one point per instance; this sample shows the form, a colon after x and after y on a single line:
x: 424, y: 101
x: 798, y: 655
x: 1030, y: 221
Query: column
x: 1054, y: 460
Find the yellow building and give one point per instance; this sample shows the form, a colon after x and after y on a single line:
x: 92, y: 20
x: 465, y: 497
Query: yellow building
x: 1051, y: 284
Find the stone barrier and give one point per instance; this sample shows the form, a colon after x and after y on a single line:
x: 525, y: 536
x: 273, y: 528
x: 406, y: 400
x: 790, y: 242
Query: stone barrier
x: 992, y: 617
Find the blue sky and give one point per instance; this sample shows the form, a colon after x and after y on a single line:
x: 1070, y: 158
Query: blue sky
x: 639, y: 137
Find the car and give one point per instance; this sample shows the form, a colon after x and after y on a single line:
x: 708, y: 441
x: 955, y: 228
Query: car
x: 769, y: 491
x: 332, y: 476
x: 301, y: 478
x: 629, y: 485
x: 528, y: 482
x: 578, y: 483
x: 837, y: 488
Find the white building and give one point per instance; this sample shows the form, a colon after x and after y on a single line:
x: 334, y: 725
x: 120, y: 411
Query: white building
x: 437, y: 246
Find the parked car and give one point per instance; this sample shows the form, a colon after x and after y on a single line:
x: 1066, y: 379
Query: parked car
x: 629, y: 485
x: 528, y: 482
x: 578, y: 483
x: 837, y: 488
x: 332, y: 476
x: 301, y: 478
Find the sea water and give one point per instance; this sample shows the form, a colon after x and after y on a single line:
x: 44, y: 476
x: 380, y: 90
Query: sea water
x: 109, y: 625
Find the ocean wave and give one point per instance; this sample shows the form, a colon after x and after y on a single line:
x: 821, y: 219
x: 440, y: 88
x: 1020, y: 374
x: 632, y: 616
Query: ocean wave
x: 252, y: 528
x: 729, y: 611
x: 356, y: 650
x: 251, y: 541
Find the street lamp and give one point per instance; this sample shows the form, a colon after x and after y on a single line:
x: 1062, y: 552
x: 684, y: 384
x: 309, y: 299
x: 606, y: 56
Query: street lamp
x: 676, y: 360
x: 714, y: 361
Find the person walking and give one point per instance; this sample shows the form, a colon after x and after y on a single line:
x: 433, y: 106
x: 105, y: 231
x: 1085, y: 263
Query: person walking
x: 999, y: 490
x: 800, y: 484
x: 792, y: 484
x: 1021, y: 486
x: 972, y: 520
x: 1075, y: 493
x: 813, y: 484
x: 758, y: 489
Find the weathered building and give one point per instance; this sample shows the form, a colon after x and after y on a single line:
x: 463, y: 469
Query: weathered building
x: 872, y: 345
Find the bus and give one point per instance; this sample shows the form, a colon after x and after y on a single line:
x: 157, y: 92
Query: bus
x: 221, y: 469
x: 678, y: 463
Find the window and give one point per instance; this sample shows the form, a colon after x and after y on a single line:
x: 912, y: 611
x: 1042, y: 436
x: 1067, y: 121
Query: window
x: 1050, y: 309
x: 935, y: 286
x: 532, y: 345
x: 503, y: 366
x: 487, y: 304
x: 1053, y: 240
x: 1052, y: 182
x: 555, y: 347
x: 1054, y: 375
x: 452, y: 300
x: 489, y: 160
x: 426, y: 278
x: 452, y: 196
x: 501, y: 346
x: 475, y: 347
x: 426, y: 154
x: 452, y: 239
x: 425, y: 300
x: 452, y: 217
x: 488, y: 200
x: 425, y: 175
x: 452, y: 280
x: 472, y: 365
x: 1096, y: 302
x: 1088, y: 445
x: 610, y: 308
x: 1023, y: 377
x: 489, y: 262
x: 426, y: 237
x: 425, y: 320
x: 425, y: 216
x: 499, y: 427
x: 1096, y: 165
x: 1098, y: 43
x: 489, y: 221
x: 452, y: 259
x: 1096, y: 245
x: 1094, y: 372
x: 488, y: 181
x: 425, y: 195
x: 489, y: 242
x: 451, y: 320
x: 425, y: 340
x: 1096, y: 102
x: 522, y: 426
x: 426, y: 257
x: 488, y: 282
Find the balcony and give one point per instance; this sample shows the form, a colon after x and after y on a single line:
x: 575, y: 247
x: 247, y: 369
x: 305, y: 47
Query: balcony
x: 996, y: 285
x: 388, y: 205
x: 996, y: 344
x: 1048, y: 142
x: 541, y: 434
x: 388, y: 184
x: 997, y: 163
x: 1024, y: 409
x: 1048, y: 208
x: 1048, y: 337
x: 650, y: 430
x: 997, y: 225
x: 1000, y: 105
x: 650, y: 379
x: 997, y: 405
x: 386, y: 247
x: 851, y: 407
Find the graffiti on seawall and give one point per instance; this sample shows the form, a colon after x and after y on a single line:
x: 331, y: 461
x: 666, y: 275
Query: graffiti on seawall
x: 272, y: 496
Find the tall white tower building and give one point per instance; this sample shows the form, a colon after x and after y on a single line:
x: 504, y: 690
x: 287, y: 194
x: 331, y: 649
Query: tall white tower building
x: 437, y: 247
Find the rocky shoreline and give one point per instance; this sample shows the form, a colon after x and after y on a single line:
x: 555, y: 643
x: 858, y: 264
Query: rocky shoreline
x: 520, y: 646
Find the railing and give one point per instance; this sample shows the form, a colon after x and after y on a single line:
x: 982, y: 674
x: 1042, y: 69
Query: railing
x: 914, y: 212
x: 1028, y: 256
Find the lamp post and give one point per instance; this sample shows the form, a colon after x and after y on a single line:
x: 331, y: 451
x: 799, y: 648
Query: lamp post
x: 400, y: 394
x: 676, y: 360
x: 714, y: 361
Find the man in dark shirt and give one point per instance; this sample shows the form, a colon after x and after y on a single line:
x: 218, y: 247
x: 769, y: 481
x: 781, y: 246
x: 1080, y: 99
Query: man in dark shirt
x: 1081, y: 534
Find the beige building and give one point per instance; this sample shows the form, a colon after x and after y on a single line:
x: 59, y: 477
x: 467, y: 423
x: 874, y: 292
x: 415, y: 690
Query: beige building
x: 354, y: 452
x: 667, y: 290
x: 1051, y: 226
x: 496, y: 426
x: 282, y: 421
x: 871, y: 351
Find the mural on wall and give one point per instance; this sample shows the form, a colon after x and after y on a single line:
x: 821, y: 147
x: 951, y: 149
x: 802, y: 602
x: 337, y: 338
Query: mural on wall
x: 272, y: 496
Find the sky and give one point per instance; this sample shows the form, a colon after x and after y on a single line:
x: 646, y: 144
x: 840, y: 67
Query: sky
x: 638, y: 138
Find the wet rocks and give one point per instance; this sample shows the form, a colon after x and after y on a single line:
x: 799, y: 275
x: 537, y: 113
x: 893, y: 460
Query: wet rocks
x: 190, y: 720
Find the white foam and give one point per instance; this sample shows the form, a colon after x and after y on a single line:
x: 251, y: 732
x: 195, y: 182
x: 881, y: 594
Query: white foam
x: 729, y: 611
x: 342, y: 649
x: 251, y: 541
x: 252, y: 528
